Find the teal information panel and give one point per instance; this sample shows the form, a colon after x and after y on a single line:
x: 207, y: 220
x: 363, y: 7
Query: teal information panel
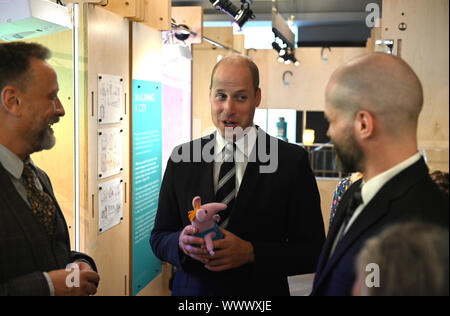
x: 147, y: 165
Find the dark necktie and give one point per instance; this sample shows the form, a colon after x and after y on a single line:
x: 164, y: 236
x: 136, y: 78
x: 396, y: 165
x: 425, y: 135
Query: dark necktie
x: 226, y: 185
x: 41, y: 203
x: 355, y: 201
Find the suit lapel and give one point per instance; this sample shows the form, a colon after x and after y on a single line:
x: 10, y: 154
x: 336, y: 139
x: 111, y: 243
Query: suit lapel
x: 18, y: 208
x: 206, y: 177
x: 249, y: 183
x: 377, y: 208
x: 334, y: 229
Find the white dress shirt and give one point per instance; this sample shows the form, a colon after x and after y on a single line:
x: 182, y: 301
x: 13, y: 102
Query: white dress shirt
x: 370, y: 188
x: 244, y: 147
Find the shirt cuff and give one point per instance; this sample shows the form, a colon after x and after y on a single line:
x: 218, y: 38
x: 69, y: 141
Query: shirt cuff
x: 50, y: 284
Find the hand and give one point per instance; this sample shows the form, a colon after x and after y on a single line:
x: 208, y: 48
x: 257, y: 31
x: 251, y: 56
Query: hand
x: 79, y: 280
x: 193, y: 246
x: 230, y: 252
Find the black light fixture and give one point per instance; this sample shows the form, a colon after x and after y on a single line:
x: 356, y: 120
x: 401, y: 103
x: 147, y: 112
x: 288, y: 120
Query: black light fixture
x: 285, y: 53
x: 240, y: 16
x: 284, y: 42
x: 181, y: 31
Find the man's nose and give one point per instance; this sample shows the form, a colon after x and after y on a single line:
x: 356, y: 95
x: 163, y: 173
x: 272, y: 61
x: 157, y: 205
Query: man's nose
x: 59, y: 108
x: 229, y: 106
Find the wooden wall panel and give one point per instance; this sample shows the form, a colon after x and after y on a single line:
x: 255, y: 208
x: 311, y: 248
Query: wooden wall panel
x: 107, y: 38
x: 58, y: 162
x: 425, y: 46
x: 146, y: 65
x: 192, y: 17
x: 158, y: 14
x: 307, y: 86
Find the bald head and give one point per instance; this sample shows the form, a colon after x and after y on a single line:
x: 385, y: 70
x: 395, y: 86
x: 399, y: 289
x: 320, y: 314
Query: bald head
x: 382, y: 84
x: 238, y: 60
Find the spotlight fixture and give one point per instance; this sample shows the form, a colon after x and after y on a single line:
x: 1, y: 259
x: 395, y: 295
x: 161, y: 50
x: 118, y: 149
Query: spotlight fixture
x: 240, y: 16
x: 285, y: 53
x: 284, y: 42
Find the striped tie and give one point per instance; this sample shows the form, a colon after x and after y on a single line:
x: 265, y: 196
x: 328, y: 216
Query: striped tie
x: 226, y: 185
x: 41, y: 203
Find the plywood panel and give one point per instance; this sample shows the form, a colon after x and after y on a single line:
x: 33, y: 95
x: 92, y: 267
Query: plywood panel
x: 425, y: 46
x: 203, y: 61
x: 222, y: 35
x: 158, y: 14
x: 125, y: 8
x: 107, y: 50
x: 191, y: 17
x: 307, y: 86
x: 146, y: 65
x: 58, y: 162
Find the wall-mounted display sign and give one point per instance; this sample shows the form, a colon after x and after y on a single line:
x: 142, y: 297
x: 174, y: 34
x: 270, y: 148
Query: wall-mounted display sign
x: 110, y: 100
x: 146, y: 175
x: 110, y: 204
x: 109, y: 152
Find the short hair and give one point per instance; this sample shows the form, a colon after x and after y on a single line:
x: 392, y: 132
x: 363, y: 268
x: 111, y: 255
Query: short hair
x: 250, y: 64
x: 412, y: 259
x: 15, y: 62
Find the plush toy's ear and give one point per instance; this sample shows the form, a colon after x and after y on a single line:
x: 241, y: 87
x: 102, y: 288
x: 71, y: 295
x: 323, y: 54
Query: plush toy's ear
x: 196, y: 202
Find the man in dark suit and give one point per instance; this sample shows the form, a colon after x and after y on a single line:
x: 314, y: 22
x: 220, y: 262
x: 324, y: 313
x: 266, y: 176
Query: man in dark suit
x: 373, y: 104
x: 273, y: 228
x: 35, y: 256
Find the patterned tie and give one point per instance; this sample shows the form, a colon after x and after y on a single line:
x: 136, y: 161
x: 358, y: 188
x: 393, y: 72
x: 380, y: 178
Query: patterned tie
x: 355, y: 201
x: 226, y: 185
x: 41, y: 203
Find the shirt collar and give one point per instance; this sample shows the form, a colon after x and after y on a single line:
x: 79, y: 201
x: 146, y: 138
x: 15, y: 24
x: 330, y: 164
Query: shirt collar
x: 370, y: 188
x: 244, y: 144
x: 13, y: 164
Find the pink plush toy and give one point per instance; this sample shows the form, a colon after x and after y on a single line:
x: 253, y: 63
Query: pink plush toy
x: 205, y: 218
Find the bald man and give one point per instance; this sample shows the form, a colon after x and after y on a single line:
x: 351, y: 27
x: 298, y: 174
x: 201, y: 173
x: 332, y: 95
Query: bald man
x: 274, y: 226
x: 373, y: 104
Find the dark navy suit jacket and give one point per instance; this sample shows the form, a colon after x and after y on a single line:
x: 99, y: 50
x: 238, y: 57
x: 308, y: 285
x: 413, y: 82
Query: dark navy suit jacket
x: 410, y: 195
x: 26, y: 250
x: 279, y: 213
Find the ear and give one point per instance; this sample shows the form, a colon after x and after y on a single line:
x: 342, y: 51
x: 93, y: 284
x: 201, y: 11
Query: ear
x: 364, y: 124
x: 258, y: 97
x: 196, y: 202
x: 9, y: 100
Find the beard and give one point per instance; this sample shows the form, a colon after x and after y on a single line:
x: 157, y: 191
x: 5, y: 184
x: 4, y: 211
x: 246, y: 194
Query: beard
x: 46, y: 140
x: 349, y: 155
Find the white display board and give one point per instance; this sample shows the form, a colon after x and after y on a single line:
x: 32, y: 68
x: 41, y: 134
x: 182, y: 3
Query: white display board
x: 110, y: 100
x: 110, y: 152
x: 110, y: 205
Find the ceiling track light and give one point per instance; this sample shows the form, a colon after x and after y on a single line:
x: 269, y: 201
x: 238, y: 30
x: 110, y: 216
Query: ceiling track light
x: 240, y: 16
x: 285, y: 53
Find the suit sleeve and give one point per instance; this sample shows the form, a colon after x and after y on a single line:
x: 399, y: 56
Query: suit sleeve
x: 33, y: 284
x: 168, y: 225
x: 74, y: 255
x: 305, y: 229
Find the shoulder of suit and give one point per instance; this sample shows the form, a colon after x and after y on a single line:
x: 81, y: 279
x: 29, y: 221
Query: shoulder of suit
x: 185, y: 151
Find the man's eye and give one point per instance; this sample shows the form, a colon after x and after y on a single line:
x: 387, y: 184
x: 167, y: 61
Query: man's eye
x: 221, y: 96
x: 242, y: 98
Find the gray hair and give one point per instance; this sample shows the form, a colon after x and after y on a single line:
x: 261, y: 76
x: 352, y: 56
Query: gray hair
x: 15, y: 62
x: 412, y: 259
